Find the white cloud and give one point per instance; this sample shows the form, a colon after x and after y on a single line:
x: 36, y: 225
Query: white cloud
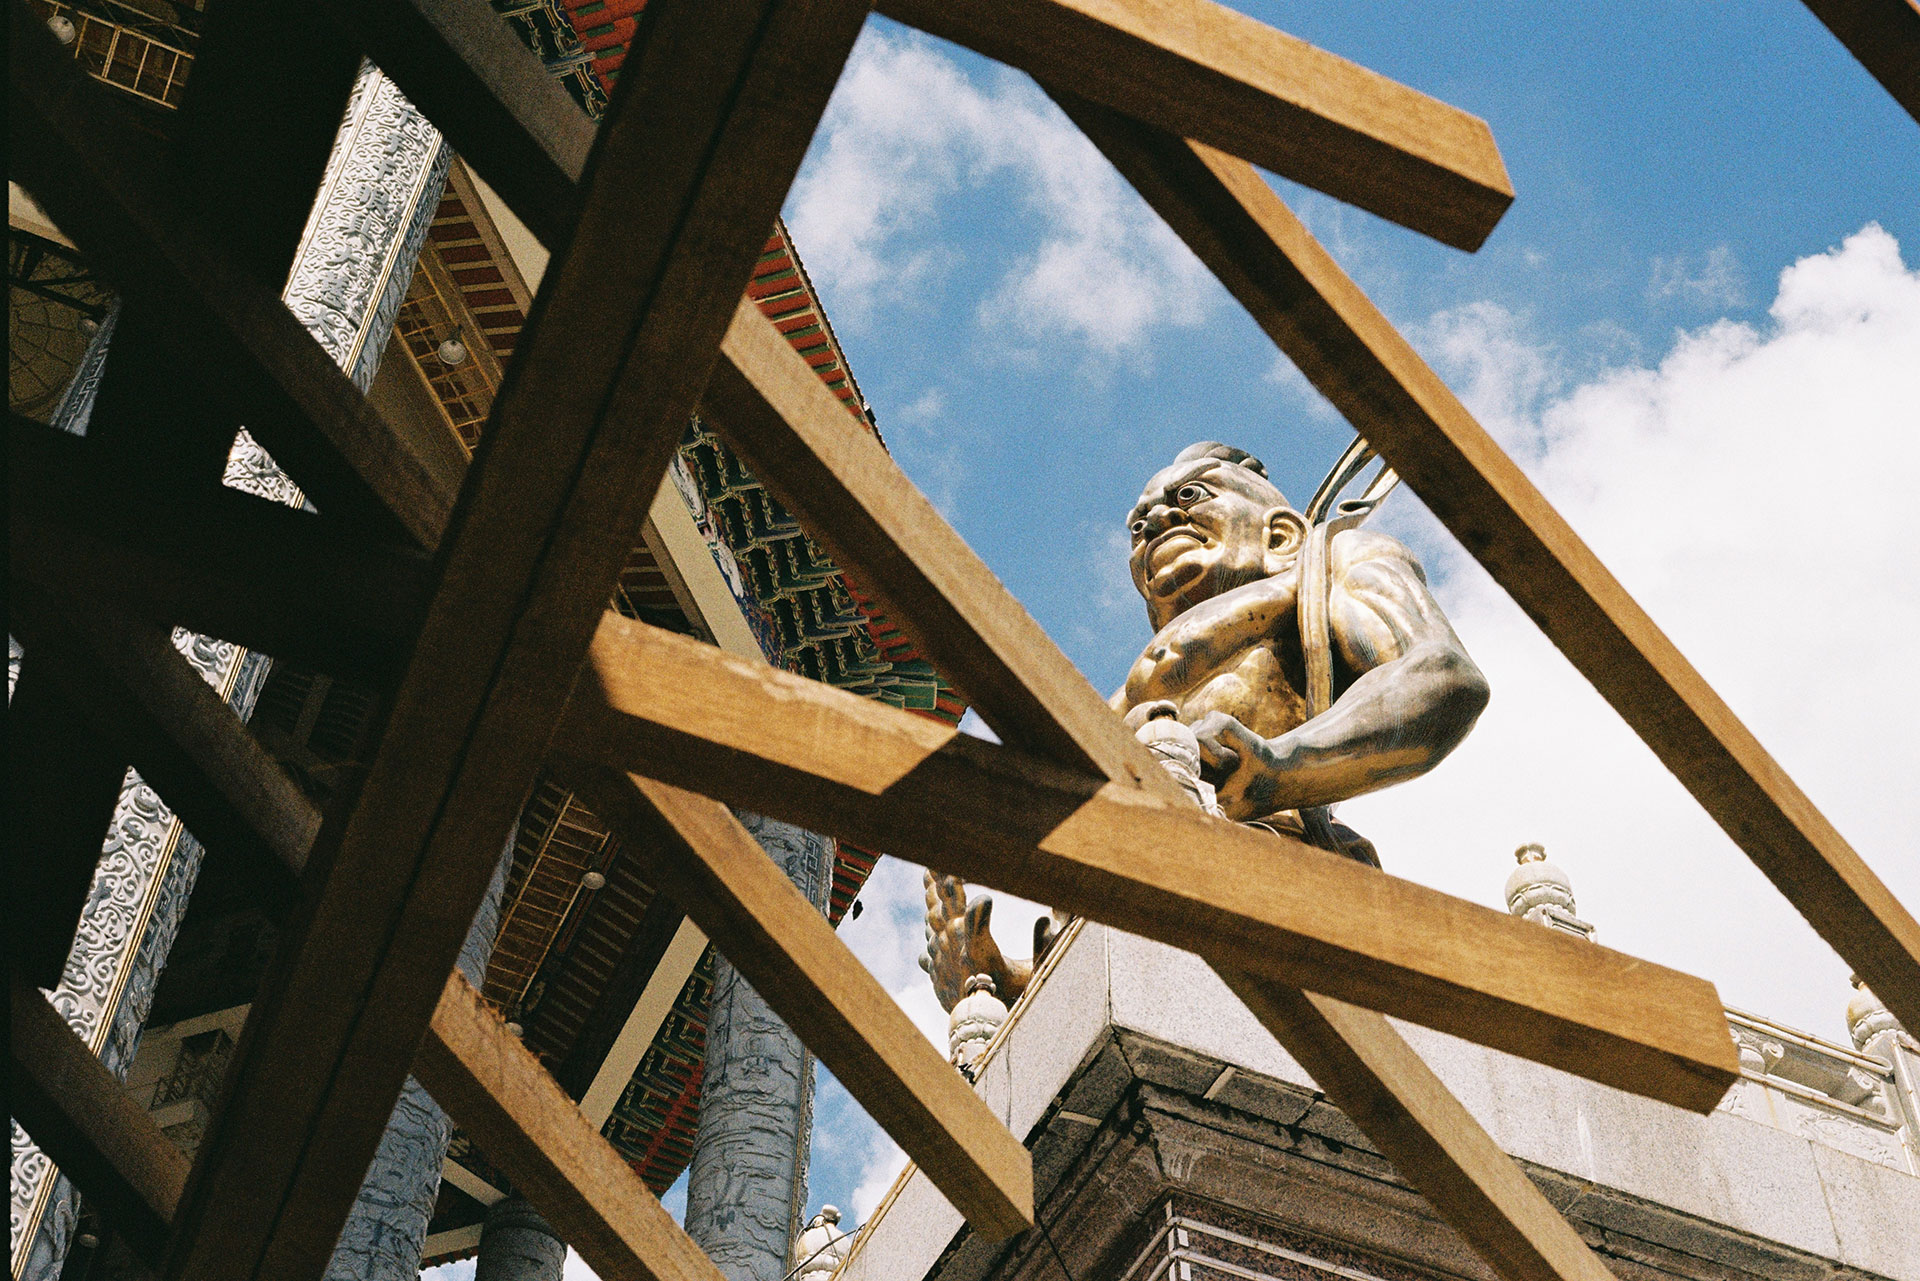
x: 1716, y: 280
x: 907, y: 129
x: 1753, y: 491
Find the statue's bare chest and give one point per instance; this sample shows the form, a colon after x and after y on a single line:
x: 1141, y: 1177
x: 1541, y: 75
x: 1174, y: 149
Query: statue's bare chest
x: 1234, y: 654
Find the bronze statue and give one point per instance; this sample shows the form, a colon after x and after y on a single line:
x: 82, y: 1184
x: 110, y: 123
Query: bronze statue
x: 1308, y: 659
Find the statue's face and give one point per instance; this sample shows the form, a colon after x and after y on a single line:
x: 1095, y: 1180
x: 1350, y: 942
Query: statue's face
x: 1202, y: 528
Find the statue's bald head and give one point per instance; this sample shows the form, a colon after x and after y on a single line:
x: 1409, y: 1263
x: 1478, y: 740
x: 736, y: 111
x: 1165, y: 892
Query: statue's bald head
x: 1208, y: 522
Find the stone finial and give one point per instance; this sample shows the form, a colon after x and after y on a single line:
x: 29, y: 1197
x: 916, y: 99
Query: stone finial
x: 1867, y: 1015
x: 975, y: 1018
x: 1539, y: 891
x: 821, y: 1247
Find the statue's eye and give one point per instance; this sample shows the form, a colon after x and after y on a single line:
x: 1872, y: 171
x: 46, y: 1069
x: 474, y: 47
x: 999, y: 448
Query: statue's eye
x: 1190, y: 494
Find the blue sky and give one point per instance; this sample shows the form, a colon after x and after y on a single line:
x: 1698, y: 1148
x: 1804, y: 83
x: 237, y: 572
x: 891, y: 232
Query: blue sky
x: 1698, y: 328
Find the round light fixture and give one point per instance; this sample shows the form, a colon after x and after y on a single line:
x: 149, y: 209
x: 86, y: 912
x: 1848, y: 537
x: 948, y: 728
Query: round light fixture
x: 62, y: 28
x: 453, y: 352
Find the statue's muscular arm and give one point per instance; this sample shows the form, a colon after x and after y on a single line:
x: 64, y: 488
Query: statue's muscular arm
x: 1406, y: 694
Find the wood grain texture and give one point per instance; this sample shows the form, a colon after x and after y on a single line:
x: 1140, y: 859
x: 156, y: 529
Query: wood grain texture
x: 705, y: 132
x: 850, y: 495
x: 290, y: 583
x: 783, y: 946
x: 500, y: 1096
x: 83, y: 1118
x: 204, y: 306
x: 1200, y: 70
x: 1369, y: 1072
x: 673, y: 709
x: 1233, y: 220
x: 1884, y: 35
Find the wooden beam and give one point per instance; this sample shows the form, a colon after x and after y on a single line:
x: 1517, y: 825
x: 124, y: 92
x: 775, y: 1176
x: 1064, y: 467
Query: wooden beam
x: 63, y: 781
x: 706, y: 130
x: 782, y: 945
x: 211, y: 314
x: 497, y: 1092
x: 683, y: 713
x: 1200, y: 70
x: 1370, y: 1073
x: 286, y: 582
x: 511, y: 121
x: 132, y: 688
x: 250, y: 143
x: 851, y: 496
x: 1233, y: 220
x: 83, y: 1119
x: 1885, y: 36
x: 664, y: 985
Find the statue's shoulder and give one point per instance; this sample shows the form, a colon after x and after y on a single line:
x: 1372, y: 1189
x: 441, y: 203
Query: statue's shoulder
x: 1356, y: 550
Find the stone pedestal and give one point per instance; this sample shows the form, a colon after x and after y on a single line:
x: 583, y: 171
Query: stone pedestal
x: 1172, y: 1137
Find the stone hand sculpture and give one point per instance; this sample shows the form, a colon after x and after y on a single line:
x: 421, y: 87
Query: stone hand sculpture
x: 1311, y: 665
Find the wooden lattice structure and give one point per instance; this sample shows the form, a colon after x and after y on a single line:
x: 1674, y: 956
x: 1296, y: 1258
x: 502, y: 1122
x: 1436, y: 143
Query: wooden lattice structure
x: 476, y: 599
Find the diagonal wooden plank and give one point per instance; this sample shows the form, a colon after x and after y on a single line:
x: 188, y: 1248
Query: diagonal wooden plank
x: 683, y: 713
x: 83, y: 1119
x: 1885, y: 36
x: 210, y: 312
x: 851, y: 495
x: 286, y: 582
x: 498, y: 1093
x: 510, y: 120
x: 249, y: 145
x: 784, y: 947
x: 1370, y: 1073
x: 1200, y: 70
x: 131, y: 686
x: 1233, y: 220
x: 705, y: 133
x: 63, y: 780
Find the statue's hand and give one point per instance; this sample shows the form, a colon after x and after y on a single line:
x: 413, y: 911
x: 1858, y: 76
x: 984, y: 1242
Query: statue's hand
x: 960, y: 944
x: 1240, y: 764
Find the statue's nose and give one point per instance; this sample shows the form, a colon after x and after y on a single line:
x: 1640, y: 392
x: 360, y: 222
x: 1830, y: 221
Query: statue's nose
x: 1156, y: 521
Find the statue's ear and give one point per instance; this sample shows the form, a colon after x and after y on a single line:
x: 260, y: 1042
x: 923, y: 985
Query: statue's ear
x: 1286, y: 531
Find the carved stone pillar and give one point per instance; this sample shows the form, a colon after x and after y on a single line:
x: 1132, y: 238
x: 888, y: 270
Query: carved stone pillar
x: 349, y: 278
x: 516, y: 1244
x: 748, y: 1180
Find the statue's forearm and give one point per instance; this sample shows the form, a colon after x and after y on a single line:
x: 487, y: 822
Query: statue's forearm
x: 1393, y: 723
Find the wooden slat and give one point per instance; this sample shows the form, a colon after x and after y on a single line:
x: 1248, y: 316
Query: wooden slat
x: 511, y: 121
x: 632, y: 974
x: 1249, y: 238
x: 682, y: 712
x: 129, y: 685
x: 286, y: 582
x: 851, y: 496
x: 1885, y: 36
x: 83, y: 1119
x: 1370, y: 1073
x: 1200, y: 70
x: 500, y: 1096
x: 706, y: 130
x: 63, y: 780
x: 250, y: 142
x: 211, y: 314
x: 782, y: 945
